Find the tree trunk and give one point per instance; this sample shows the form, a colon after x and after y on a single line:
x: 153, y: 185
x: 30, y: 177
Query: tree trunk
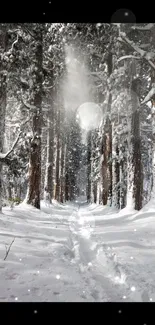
x: 62, y: 173
x: 123, y: 176
x: 50, y: 155
x: 57, y: 190
x: 89, y: 167
x: 137, y: 164
x: 117, y: 173
x: 3, y: 93
x: 104, y: 172
x: 95, y: 191
x: 34, y: 186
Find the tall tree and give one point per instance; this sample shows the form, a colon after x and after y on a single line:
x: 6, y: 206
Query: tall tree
x: 3, y: 93
x: 34, y: 186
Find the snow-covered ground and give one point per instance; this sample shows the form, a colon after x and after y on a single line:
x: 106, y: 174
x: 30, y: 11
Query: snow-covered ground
x: 77, y: 252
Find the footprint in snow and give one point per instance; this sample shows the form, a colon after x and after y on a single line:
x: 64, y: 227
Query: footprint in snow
x: 56, y: 293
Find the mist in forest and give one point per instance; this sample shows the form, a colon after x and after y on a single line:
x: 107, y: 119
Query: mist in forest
x: 77, y: 92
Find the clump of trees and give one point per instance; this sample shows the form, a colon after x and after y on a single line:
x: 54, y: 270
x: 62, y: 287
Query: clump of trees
x: 41, y: 147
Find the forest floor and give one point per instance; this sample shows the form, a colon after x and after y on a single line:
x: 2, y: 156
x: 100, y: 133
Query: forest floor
x: 77, y: 252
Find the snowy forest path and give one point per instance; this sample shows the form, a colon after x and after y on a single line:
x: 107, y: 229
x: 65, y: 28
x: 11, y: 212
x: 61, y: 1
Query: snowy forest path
x: 98, y: 283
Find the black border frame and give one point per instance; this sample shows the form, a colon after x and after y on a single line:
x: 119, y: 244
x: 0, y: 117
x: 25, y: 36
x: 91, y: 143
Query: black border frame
x: 106, y: 313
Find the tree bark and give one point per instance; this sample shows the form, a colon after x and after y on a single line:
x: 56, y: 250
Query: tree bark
x: 136, y: 161
x: 34, y: 186
x: 3, y: 94
x: 57, y: 191
x: 50, y: 154
x: 89, y: 167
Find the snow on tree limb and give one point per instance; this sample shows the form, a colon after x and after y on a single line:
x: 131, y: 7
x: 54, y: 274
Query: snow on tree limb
x: 29, y: 106
x: 149, y: 95
x: 143, y: 28
x: 123, y: 38
x: 3, y: 156
x: 128, y: 57
x: 15, y: 42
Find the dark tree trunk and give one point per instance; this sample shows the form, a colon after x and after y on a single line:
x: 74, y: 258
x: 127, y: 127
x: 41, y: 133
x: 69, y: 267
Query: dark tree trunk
x: 110, y: 162
x: 104, y: 172
x: 137, y: 164
x: 89, y: 167
x: 3, y: 93
x: 117, y: 173
x: 62, y: 180
x: 34, y: 186
x: 57, y: 190
x: 123, y: 178
x: 95, y: 192
x: 50, y: 154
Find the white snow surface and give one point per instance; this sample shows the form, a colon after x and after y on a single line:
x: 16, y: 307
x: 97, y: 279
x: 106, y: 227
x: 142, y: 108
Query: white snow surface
x: 77, y: 252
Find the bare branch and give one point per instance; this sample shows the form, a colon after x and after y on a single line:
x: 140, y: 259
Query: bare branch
x: 8, y: 249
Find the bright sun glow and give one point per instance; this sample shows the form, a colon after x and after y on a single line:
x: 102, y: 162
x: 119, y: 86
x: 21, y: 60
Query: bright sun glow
x: 90, y: 115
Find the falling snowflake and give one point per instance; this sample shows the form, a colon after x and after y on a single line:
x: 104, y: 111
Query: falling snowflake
x: 119, y: 311
x: 38, y: 272
x: 131, y: 257
x: 133, y: 288
x: 124, y: 297
x: 90, y: 264
x: 135, y: 229
x: 57, y: 276
x: 29, y: 290
x: 35, y: 311
x: 20, y: 259
x: 16, y: 298
x: 150, y: 299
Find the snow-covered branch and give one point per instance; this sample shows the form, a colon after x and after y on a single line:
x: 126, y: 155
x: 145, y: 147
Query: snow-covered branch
x: 147, y: 56
x: 144, y: 28
x: 3, y: 156
x: 123, y: 38
x: 128, y: 57
x: 15, y: 42
x: 149, y: 95
x: 29, y: 106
